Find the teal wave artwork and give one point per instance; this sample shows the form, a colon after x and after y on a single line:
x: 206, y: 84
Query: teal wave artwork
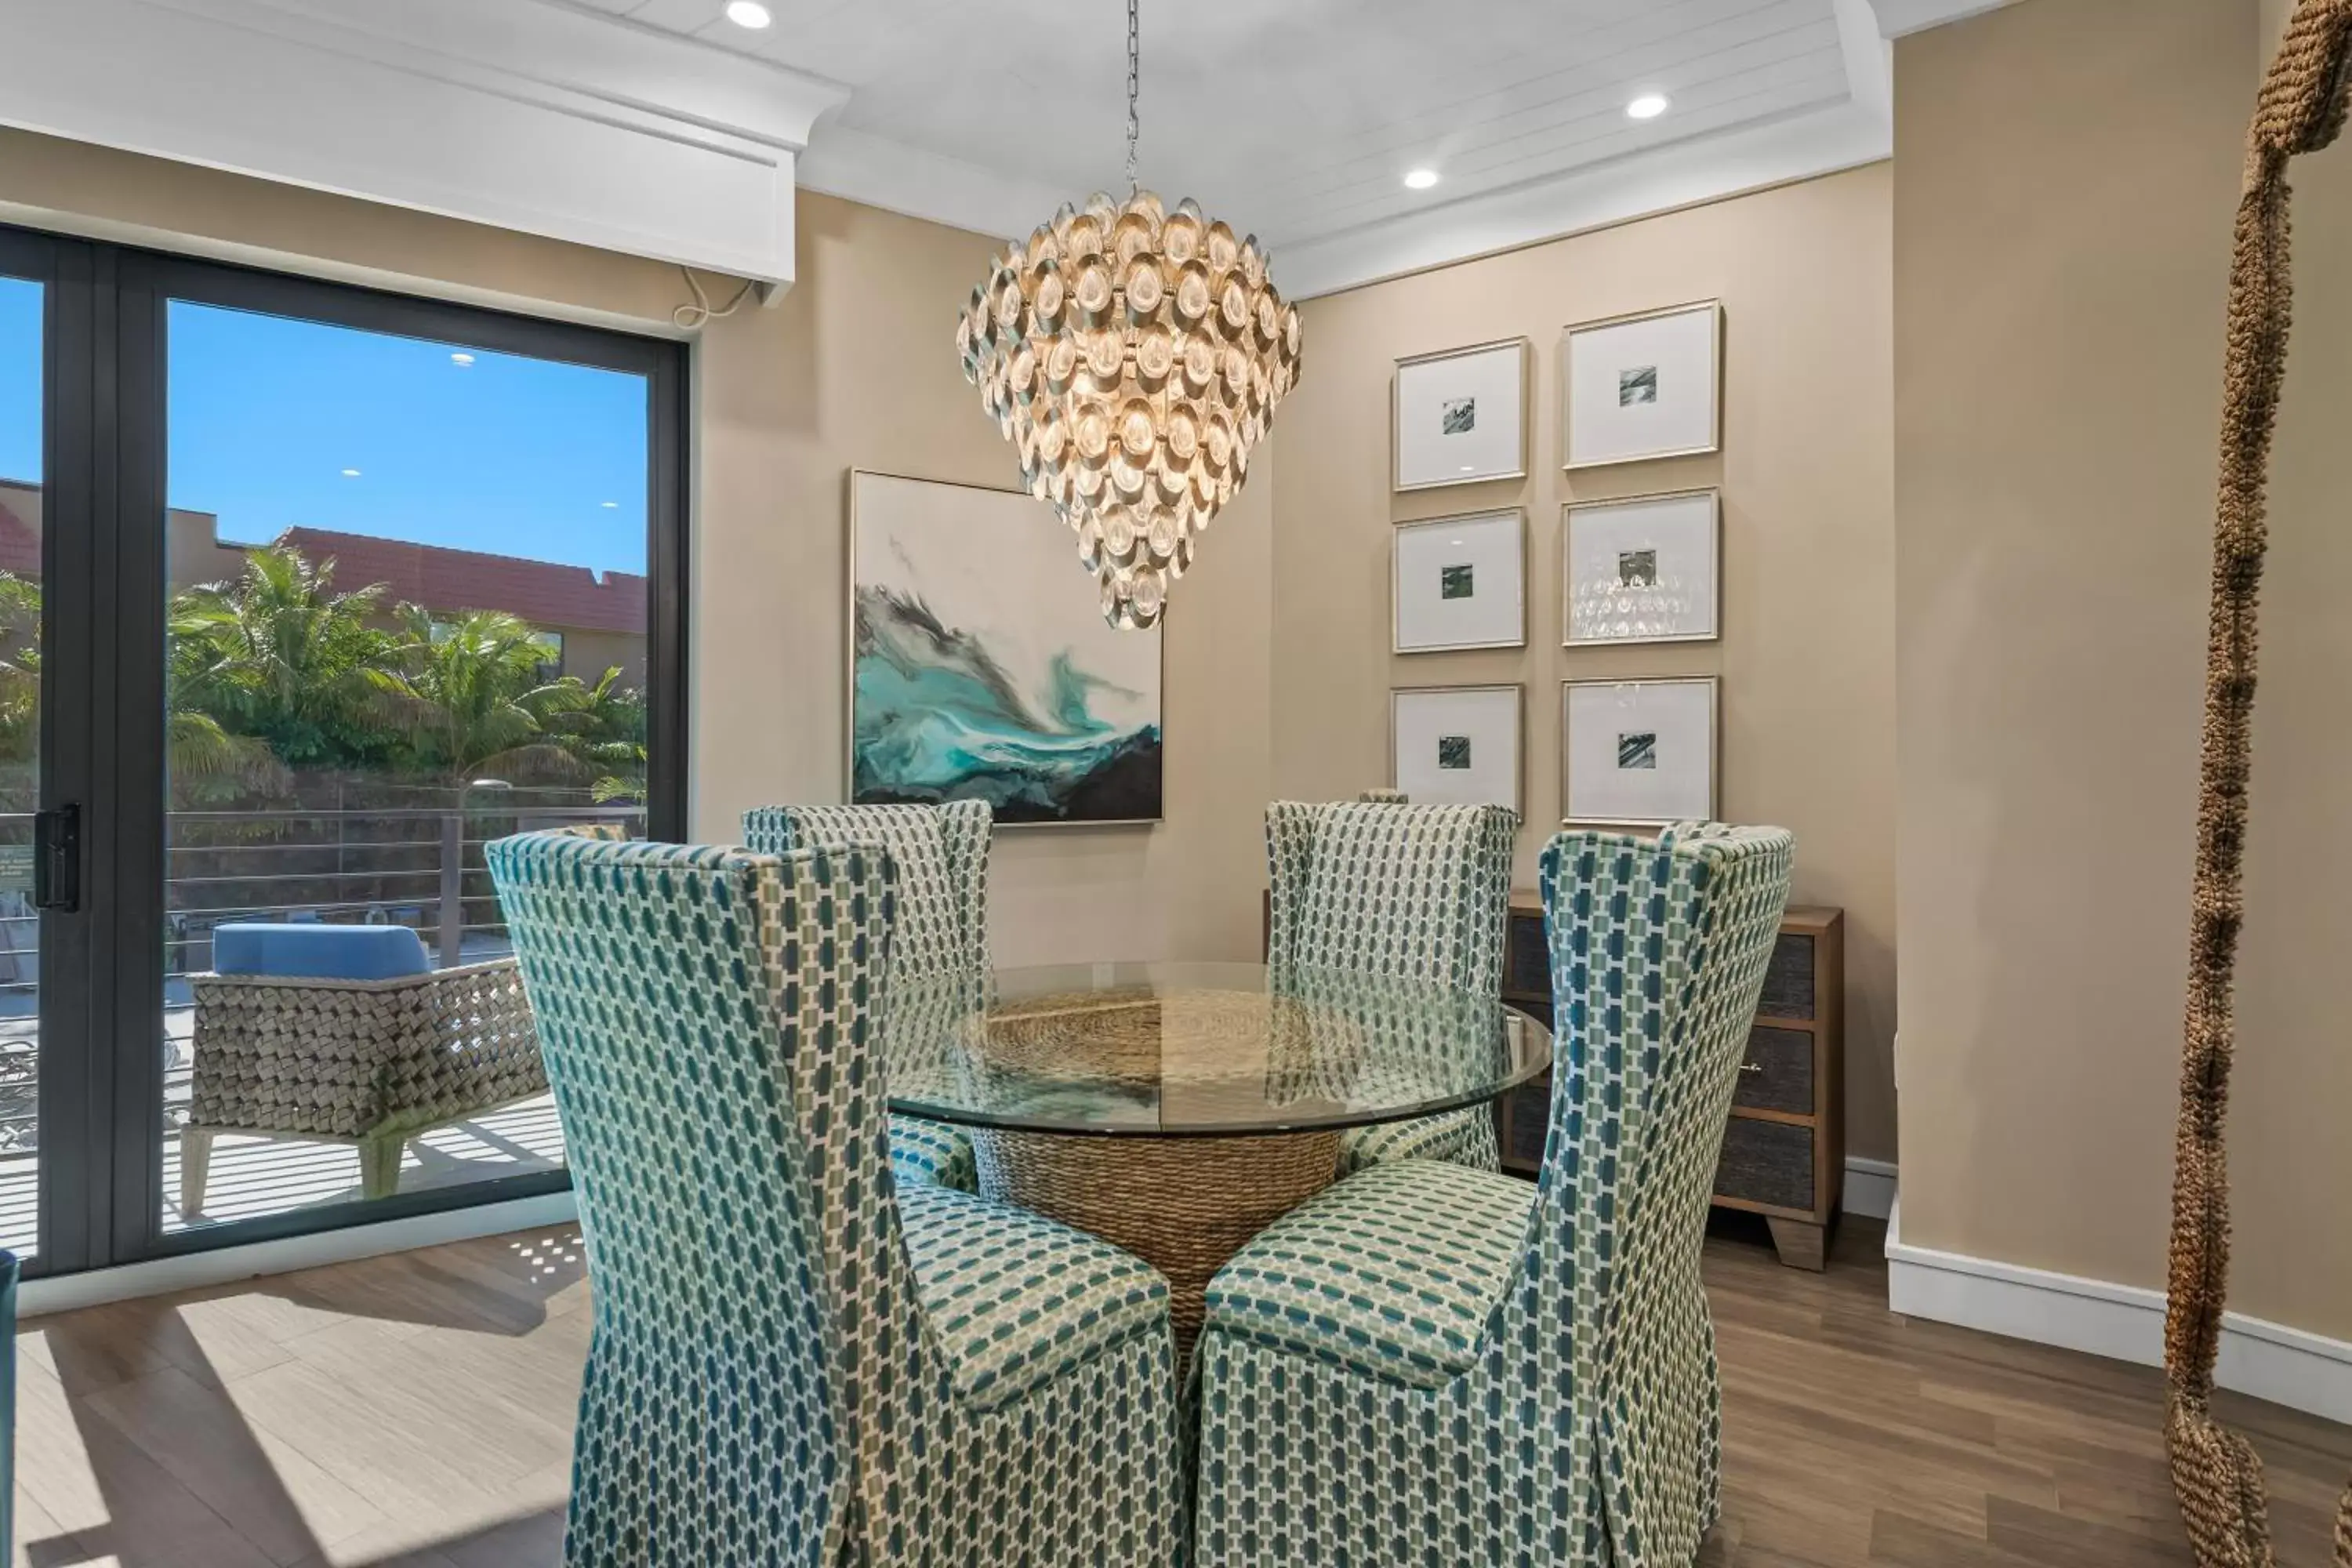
x: 937, y: 717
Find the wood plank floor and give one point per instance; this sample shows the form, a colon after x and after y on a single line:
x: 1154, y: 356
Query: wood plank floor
x: 416, y: 1411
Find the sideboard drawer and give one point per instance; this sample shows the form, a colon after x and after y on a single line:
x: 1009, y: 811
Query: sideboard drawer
x: 1525, y: 1118
x: 1777, y: 1074
x: 1767, y: 1162
x: 1527, y: 957
x: 1789, y: 983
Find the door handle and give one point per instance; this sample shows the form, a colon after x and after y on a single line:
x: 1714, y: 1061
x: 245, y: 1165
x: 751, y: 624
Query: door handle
x: 57, y: 859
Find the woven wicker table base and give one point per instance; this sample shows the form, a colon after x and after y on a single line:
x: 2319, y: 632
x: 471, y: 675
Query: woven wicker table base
x: 1182, y: 1205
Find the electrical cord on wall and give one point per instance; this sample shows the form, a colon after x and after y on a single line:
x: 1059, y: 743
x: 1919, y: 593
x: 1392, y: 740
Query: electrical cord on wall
x: 690, y: 318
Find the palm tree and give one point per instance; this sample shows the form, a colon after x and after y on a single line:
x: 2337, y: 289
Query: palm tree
x: 202, y: 757
x: 482, y: 703
x: 605, y: 728
x: 277, y: 654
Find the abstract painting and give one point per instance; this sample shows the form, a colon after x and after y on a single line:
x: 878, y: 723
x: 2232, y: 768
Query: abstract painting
x: 981, y: 668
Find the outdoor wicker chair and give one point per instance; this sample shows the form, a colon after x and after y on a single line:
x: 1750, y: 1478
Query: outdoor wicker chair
x: 372, y: 1059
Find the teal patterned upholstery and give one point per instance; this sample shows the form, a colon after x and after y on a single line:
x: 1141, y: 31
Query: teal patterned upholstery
x: 1394, y: 1274
x: 1017, y: 1298
x: 784, y: 1370
x: 1380, y: 886
x: 1341, y: 1419
x: 943, y: 857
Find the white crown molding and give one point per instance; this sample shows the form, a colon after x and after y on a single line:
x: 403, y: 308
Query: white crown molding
x: 1678, y: 175
x: 2287, y: 1366
x: 226, y: 1264
x: 860, y: 166
x: 533, y: 115
x: 1869, y: 58
x: 1900, y: 18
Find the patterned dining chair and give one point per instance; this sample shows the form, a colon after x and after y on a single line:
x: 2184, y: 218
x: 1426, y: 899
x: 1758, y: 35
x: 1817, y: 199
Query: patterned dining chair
x: 1428, y: 1363
x: 791, y: 1360
x: 942, y: 855
x: 1400, y: 891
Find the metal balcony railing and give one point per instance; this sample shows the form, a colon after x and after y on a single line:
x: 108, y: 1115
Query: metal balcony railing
x: 420, y: 866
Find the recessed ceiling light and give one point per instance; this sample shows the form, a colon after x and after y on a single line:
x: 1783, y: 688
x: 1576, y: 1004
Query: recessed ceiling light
x: 1419, y: 179
x: 461, y: 360
x: 350, y: 473
x: 610, y: 505
x: 747, y: 13
x: 1649, y: 106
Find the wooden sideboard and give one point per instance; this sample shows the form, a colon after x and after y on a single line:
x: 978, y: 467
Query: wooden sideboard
x: 1784, y: 1146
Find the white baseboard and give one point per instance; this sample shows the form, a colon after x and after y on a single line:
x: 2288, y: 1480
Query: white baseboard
x: 2270, y: 1361
x: 196, y: 1271
x: 1869, y: 1188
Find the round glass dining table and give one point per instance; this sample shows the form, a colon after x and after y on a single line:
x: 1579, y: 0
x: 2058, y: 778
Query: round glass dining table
x: 1176, y: 1110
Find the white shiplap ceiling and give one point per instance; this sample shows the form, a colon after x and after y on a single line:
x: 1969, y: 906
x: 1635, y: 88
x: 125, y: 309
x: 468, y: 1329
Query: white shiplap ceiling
x: 1298, y: 119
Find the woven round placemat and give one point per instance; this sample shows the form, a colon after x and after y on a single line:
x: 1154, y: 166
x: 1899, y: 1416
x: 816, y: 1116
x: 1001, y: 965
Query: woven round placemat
x: 1182, y: 1205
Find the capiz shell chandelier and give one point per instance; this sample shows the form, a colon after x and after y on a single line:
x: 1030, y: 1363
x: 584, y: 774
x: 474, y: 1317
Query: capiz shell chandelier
x: 1133, y: 356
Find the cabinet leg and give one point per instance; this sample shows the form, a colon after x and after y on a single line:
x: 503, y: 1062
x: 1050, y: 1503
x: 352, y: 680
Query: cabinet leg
x: 1801, y: 1243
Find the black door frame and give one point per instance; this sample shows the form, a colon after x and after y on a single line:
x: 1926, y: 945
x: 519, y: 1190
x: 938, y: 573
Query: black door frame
x: 107, y: 436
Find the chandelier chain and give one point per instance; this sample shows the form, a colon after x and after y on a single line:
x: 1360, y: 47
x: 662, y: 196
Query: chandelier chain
x: 1134, y: 82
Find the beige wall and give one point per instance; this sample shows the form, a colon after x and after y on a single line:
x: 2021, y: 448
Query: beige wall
x: 855, y: 368
x: 2067, y: 172
x: 1807, y: 654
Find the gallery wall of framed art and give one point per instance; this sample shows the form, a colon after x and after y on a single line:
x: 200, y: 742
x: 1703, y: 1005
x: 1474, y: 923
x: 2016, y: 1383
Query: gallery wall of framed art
x: 1638, y: 567
x: 1782, y: 295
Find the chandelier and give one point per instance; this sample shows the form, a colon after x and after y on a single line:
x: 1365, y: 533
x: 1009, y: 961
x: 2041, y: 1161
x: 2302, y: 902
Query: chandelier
x: 1133, y: 356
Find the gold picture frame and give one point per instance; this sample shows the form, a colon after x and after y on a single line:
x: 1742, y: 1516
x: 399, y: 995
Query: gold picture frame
x: 1398, y: 482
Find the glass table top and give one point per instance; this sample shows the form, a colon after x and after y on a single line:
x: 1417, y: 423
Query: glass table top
x: 1198, y: 1049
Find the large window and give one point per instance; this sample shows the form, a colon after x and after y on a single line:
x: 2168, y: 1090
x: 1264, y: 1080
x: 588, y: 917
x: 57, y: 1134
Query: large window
x: 334, y: 587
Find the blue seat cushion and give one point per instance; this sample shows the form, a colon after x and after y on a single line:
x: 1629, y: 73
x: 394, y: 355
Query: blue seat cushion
x: 317, y: 952
x: 1013, y: 1298
x: 1393, y: 1272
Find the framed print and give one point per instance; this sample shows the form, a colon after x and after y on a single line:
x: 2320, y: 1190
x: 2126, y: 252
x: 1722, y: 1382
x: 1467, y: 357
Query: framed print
x: 1460, y: 417
x: 1460, y: 583
x: 1637, y: 387
x: 1638, y: 753
x: 1645, y: 569
x: 1456, y: 745
x: 980, y: 666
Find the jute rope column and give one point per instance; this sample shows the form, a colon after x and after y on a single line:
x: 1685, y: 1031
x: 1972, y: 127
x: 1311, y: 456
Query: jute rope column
x: 2216, y: 1474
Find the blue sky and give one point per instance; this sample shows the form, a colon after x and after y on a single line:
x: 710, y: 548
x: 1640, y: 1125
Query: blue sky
x: 504, y: 454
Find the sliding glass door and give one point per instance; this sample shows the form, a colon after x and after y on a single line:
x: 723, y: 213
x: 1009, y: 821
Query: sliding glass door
x: 368, y: 580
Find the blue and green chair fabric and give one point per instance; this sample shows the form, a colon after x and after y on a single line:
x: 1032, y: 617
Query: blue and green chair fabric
x: 1398, y: 892
x: 794, y: 1360
x: 1429, y: 1363
x: 943, y: 857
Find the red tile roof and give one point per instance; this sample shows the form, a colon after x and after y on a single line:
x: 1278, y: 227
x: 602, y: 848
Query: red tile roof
x: 444, y: 580
x: 20, y: 540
